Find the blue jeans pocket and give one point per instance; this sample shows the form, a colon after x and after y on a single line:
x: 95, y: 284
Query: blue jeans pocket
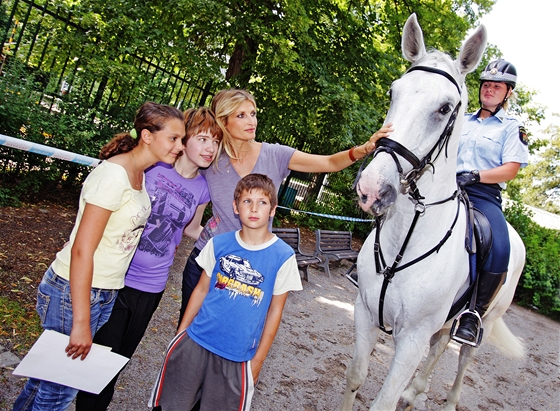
x: 42, y: 306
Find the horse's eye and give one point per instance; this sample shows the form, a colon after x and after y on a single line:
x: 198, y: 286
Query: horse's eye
x: 446, y: 108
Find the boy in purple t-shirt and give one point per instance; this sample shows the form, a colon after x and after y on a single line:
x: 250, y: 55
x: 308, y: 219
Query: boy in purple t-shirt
x: 234, y: 312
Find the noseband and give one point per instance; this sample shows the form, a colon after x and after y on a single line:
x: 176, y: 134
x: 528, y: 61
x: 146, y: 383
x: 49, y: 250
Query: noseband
x: 386, y: 145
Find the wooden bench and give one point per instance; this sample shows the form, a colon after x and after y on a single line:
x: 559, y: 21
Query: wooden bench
x: 334, y: 245
x: 292, y: 237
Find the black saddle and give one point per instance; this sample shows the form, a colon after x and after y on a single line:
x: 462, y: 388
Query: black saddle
x: 483, y: 237
x: 482, y: 232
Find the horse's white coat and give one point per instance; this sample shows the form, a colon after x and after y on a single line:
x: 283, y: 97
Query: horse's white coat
x: 419, y: 298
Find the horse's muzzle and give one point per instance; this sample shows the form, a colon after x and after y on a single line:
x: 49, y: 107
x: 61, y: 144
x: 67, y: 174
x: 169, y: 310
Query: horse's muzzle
x: 377, y: 204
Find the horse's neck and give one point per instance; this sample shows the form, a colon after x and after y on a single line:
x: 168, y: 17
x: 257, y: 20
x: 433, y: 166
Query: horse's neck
x: 438, y: 182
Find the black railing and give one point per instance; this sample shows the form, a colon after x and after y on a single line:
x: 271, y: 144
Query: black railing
x: 58, y: 65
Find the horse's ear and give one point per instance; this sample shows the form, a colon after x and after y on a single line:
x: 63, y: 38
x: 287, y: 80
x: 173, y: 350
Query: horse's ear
x: 471, y: 51
x: 412, y: 40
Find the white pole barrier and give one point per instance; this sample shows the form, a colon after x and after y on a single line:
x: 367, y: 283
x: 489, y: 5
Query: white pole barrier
x: 47, y: 151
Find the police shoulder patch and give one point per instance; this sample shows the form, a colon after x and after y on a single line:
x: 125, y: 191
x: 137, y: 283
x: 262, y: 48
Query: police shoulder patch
x: 523, y: 135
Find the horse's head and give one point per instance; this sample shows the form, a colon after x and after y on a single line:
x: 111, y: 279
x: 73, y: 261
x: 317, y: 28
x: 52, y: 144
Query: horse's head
x: 425, y: 102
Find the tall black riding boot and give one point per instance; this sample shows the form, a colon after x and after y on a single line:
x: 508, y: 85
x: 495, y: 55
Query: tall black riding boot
x: 488, y: 286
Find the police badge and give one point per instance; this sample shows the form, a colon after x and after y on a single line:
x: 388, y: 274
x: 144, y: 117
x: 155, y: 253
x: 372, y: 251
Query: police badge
x: 523, y: 135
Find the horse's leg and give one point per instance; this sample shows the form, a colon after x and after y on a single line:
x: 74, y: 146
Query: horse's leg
x: 503, y: 337
x: 466, y: 356
x: 409, y: 350
x: 438, y: 344
x: 366, y: 336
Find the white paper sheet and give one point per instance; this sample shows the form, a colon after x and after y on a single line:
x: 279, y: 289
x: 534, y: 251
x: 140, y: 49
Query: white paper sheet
x: 48, y: 361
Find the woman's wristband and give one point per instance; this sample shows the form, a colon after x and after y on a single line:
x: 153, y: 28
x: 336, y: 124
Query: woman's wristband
x: 351, y: 154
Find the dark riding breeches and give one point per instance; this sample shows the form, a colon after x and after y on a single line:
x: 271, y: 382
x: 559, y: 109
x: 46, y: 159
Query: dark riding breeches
x: 488, y: 199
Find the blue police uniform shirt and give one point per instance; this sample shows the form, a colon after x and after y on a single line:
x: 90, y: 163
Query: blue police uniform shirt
x: 489, y: 143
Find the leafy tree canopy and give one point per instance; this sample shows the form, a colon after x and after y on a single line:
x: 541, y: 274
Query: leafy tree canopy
x: 538, y: 184
x: 320, y: 69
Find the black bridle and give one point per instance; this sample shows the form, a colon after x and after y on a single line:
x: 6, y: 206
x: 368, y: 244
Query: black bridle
x: 393, y: 148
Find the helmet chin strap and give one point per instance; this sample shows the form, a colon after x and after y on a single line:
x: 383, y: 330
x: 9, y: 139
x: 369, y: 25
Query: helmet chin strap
x: 498, y: 107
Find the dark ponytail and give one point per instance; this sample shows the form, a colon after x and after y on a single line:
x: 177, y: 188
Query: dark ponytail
x: 150, y: 116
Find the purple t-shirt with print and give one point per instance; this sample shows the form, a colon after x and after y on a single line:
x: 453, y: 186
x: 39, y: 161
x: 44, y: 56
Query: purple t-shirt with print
x: 174, y: 201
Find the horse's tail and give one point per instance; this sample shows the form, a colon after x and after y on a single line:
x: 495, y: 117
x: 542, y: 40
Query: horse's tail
x: 505, y: 340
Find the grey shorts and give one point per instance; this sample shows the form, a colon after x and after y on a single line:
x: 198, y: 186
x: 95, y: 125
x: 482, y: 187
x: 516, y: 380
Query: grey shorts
x: 191, y: 372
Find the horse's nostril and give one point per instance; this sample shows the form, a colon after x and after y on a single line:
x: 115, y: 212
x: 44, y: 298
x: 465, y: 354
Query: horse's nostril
x: 363, y: 198
x: 385, y: 190
x: 388, y: 194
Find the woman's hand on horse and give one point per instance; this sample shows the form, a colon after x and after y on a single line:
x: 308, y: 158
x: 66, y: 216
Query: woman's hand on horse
x: 383, y: 132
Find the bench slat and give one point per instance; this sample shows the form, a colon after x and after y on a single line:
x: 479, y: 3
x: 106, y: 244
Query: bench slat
x: 292, y: 237
x: 336, y: 245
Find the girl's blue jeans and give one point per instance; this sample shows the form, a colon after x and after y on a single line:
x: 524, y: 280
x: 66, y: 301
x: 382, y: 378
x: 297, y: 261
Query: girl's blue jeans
x: 54, y: 306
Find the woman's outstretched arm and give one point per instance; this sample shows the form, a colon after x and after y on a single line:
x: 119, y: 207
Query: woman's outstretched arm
x: 314, y: 163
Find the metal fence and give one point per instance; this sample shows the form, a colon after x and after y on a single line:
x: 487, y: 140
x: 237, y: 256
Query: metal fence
x: 58, y: 65
x: 36, y: 34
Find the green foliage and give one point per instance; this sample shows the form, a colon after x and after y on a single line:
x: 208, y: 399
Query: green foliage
x: 71, y: 126
x: 320, y: 70
x: 16, y: 321
x: 539, y: 286
x: 8, y: 198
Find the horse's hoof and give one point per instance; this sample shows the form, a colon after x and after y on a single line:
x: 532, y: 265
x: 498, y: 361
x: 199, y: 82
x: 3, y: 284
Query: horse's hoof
x: 404, y: 405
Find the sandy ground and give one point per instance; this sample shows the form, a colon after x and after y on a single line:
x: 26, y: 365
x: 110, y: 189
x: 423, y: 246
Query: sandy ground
x: 306, y: 367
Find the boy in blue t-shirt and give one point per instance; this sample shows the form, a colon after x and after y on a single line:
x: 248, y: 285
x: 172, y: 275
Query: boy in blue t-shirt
x: 234, y: 312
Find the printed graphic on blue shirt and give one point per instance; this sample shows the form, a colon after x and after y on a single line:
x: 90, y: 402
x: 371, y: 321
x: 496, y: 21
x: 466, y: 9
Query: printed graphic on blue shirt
x: 170, y: 205
x: 238, y: 277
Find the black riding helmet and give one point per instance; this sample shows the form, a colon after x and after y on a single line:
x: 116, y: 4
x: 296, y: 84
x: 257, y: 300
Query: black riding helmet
x: 501, y: 71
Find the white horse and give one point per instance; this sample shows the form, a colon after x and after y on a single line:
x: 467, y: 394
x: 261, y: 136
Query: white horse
x: 411, y: 181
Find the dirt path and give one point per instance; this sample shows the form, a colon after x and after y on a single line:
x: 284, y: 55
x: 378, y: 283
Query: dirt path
x: 307, y: 363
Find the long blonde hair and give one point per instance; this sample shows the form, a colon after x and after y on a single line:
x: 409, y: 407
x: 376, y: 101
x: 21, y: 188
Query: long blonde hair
x: 224, y: 104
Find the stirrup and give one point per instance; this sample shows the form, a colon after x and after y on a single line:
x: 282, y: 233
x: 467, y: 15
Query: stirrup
x: 479, y: 330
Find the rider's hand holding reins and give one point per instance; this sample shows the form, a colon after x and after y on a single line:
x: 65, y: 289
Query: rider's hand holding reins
x: 468, y: 178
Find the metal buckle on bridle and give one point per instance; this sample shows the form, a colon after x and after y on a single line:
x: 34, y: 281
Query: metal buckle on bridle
x: 388, y: 273
x: 411, y: 176
x: 420, y: 207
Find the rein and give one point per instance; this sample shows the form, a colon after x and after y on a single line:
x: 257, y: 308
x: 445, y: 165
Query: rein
x: 409, y: 180
x: 389, y: 272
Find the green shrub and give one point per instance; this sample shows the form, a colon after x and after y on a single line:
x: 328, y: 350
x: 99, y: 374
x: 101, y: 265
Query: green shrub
x: 65, y: 122
x: 539, y: 286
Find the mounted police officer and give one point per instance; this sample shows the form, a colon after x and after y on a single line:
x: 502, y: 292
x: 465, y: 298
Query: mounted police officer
x: 492, y: 149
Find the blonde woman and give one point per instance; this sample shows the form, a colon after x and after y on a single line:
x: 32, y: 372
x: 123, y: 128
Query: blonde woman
x: 236, y: 111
